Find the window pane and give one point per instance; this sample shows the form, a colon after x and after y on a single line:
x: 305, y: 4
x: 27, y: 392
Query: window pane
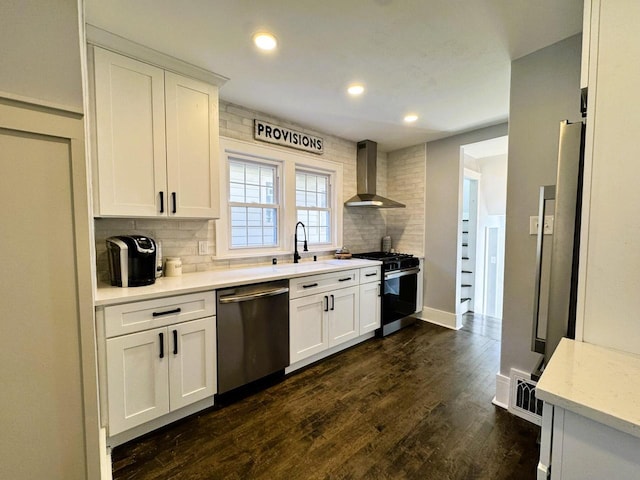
x: 252, y: 183
x: 300, y: 199
x: 322, y: 184
x: 312, y: 183
x: 324, y: 219
x: 269, y: 217
x: 322, y: 200
x: 238, y: 216
x: 236, y: 193
x: 324, y: 235
x: 311, y: 199
x: 253, y: 174
x: 300, y: 181
x: 266, y: 176
x: 238, y: 237
x: 236, y: 172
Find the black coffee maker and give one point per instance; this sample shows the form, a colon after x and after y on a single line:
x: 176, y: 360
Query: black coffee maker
x: 132, y: 260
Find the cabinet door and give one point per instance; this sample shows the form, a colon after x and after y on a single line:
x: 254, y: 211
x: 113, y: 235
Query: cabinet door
x: 192, y: 367
x: 131, y: 160
x: 344, y: 309
x: 137, y: 379
x: 308, y: 325
x: 370, y: 304
x: 192, y: 147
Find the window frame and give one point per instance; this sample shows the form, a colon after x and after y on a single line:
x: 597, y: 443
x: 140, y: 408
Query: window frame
x: 288, y: 163
x: 328, y: 208
x: 276, y: 194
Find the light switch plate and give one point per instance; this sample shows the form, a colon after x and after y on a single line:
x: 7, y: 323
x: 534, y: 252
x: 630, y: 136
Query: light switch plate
x: 203, y: 247
x: 548, y: 225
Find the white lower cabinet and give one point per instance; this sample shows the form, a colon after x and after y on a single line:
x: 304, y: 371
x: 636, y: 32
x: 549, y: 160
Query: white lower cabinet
x: 308, y: 326
x: 344, y: 315
x: 154, y: 372
x: 328, y: 310
x: 321, y: 321
x: 370, y: 307
x: 574, y: 447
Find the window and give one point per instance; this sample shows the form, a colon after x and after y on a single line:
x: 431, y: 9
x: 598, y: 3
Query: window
x: 253, y: 204
x: 265, y: 191
x: 313, y: 205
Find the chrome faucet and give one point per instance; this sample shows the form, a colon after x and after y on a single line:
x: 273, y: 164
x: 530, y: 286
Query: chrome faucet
x: 296, y: 255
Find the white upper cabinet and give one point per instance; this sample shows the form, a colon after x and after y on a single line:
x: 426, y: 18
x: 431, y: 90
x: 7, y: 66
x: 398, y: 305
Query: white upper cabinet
x: 192, y: 146
x: 156, y: 141
x: 130, y: 135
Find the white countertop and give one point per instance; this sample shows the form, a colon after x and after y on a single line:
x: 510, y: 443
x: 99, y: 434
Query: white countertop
x: 596, y: 382
x: 214, y: 279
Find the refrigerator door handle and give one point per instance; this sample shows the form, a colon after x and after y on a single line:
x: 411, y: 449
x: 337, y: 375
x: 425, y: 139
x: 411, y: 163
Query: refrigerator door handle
x: 547, y: 193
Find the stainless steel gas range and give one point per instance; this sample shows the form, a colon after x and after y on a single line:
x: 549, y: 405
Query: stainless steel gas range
x: 400, y: 289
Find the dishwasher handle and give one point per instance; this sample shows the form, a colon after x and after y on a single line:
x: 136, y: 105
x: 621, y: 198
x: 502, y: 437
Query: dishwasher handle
x: 253, y: 295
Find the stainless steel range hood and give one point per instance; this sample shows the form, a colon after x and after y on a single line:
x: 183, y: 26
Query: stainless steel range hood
x: 366, y: 176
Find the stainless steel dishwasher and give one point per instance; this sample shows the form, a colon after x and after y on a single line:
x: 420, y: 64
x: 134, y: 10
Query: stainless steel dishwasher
x: 252, y: 333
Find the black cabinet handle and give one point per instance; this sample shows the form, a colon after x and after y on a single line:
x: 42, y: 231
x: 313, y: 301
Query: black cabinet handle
x: 371, y: 274
x: 168, y: 312
x: 174, y: 201
x: 310, y: 285
x: 175, y: 342
x: 161, y: 345
x: 161, y: 202
x: 333, y: 302
x: 326, y: 303
x: 344, y: 279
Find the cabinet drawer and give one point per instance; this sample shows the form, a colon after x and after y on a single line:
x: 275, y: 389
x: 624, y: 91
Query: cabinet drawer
x: 138, y: 316
x: 370, y: 274
x: 300, y: 287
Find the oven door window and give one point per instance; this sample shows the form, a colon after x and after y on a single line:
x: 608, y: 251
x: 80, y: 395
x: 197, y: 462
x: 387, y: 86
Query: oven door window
x: 399, y: 297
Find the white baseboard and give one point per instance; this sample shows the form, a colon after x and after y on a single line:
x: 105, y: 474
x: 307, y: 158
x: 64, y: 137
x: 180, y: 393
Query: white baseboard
x: 439, y: 317
x: 106, y: 469
x: 503, y: 391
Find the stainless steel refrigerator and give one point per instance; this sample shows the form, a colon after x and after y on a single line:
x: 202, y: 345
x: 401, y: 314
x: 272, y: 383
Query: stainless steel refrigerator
x: 562, y: 269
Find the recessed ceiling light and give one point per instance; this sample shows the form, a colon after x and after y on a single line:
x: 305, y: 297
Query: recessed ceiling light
x: 410, y: 118
x: 355, y: 89
x: 265, y: 41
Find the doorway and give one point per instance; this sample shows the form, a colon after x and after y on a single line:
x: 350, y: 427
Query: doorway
x: 482, y: 227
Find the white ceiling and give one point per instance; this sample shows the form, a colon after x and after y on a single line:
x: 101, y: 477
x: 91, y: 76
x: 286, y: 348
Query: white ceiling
x: 448, y: 61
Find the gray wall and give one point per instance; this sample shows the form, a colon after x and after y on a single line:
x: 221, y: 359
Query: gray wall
x: 545, y: 89
x: 444, y: 173
x: 40, y: 57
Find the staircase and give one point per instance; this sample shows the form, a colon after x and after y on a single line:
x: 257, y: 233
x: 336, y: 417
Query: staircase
x: 468, y: 261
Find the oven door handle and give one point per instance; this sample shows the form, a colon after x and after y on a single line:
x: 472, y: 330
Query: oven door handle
x: 401, y: 273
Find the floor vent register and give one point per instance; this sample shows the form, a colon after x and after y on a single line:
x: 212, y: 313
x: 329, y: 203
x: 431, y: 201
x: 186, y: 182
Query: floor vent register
x: 523, y: 401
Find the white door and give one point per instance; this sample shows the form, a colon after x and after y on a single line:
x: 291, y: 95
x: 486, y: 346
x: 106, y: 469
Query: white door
x: 192, y: 367
x: 308, y: 326
x: 370, y: 304
x: 344, y: 309
x: 192, y: 147
x: 130, y: 131
x: 137, y: 378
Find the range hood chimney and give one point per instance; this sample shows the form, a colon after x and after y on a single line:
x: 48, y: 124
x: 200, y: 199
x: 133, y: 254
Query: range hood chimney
x: 366, y: 175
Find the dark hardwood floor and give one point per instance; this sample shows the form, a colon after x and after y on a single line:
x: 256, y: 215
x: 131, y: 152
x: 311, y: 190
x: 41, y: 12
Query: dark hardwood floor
x: 414, y: 405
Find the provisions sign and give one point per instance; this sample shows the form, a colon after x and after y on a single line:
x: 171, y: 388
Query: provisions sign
x: 287, y: 137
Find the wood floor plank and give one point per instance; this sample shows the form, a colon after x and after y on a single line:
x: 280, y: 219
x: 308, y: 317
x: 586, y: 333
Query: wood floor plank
x: 414, y: 405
